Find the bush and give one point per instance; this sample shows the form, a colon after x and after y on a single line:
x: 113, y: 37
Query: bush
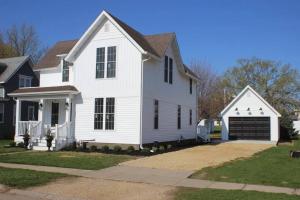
x: 145, y: 150
x: 162, y: 148
x: 169, y: 146
x: 117, y: 148
x: 105, y: 148
x: 154, y: 149
x: 12, y: 144
x: 93, y: 148
x: 21, y: 144
x: 130, y: 149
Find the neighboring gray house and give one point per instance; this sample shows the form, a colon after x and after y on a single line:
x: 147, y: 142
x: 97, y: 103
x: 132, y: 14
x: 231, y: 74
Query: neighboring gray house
x: 15, y: 73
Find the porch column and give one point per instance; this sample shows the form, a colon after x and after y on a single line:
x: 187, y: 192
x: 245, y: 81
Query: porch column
x: 18, y: 115
x: 40, y: 114
x: 68, y: 109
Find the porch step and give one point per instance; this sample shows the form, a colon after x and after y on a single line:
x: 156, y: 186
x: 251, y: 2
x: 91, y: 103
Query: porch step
x: 41, y: 145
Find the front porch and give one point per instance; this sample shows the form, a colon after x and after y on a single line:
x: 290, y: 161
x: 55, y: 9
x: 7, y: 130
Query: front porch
x: 55, y: 116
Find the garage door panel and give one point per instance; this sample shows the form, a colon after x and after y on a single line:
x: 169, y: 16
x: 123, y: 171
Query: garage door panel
x: 249, y: 128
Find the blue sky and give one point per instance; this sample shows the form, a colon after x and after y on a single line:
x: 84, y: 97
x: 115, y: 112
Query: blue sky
x: 217, y: 32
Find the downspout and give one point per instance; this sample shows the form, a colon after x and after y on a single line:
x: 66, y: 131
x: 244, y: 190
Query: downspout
x: 142, y: 100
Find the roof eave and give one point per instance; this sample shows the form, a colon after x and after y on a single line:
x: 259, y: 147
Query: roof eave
x: 27, y: 94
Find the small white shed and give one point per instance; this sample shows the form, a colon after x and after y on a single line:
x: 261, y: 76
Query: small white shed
x: 250, y: 117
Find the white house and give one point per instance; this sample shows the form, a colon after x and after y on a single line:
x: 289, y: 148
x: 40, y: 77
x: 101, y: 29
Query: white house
x: 113, y: 85
x: 249, y: 116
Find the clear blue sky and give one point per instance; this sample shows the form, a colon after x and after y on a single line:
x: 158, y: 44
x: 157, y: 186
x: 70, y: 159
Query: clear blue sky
x: 214, y: 31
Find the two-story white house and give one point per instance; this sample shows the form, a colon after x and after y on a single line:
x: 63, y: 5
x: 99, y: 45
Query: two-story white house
x: 114, y: 85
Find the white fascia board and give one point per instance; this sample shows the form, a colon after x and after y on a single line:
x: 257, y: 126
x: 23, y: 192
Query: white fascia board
x: 65, y: 92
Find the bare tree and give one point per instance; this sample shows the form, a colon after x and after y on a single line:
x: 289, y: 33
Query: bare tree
x: 24, y: 40
x: 210, y: 93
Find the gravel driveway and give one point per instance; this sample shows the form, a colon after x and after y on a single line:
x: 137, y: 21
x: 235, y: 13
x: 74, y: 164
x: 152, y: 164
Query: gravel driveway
x: 199, y: 157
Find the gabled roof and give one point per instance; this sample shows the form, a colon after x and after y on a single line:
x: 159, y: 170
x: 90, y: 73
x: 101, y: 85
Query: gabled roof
x: 248, y: 87
x: 50, y: 59
x: 12, y: 66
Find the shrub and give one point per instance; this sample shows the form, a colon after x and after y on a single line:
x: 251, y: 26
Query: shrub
x: 12, y: 144
x: 130, y: 149
x: 154, y: 149
x: 105, y: 148
x: 93, y: 148
x: 117, y: 148
x: 162, y: 148
x: 145, y: 150
x: 21, y: 144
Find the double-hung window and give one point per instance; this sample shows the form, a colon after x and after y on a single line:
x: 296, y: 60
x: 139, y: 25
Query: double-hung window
x: 109, y: 113
x: 155, y: 114
x: 106, y: 57
x: 111, y: 62
x: 100, y: 62
x: 179, y: 117
x: 170, y: 70
x: 98, y: 114
x: 1, y: 112
x: 65, y: 71
x: 24, y: 81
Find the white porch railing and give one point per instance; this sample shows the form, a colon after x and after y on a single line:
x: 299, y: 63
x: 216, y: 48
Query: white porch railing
x: 63, y: 135
x: 35, y: 131
x: 25, y: 125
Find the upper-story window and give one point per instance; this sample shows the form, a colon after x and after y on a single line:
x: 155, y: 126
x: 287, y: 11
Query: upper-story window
x: 155, y: 114
x: 110, y: 62
x: 24, y: 81
x: 65, y: 71
x: 191, y: 86
x: 179, y: 117
x: 168, y: 70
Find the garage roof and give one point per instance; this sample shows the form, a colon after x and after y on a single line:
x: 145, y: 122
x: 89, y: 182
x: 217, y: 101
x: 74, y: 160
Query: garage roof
x: 237, y: 98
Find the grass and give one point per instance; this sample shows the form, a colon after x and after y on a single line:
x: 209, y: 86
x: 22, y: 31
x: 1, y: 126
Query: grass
x: 273, y: 166
x: 4, y: 149
x: 78, y: 160
x: 21, y: 178
x: 211, y: 194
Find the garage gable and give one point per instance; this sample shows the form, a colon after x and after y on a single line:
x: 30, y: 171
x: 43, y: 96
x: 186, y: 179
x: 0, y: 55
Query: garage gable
x: 249, y: 102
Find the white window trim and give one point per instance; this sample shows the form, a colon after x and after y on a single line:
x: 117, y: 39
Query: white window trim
x: 2, y: 92
x: 25, y: 78
x: 2, y: 121
x: 105, y: 62
x: 28, y: 116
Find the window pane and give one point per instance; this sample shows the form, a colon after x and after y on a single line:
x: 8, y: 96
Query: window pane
x: 166, y: 69
x: 98, y: 114
x: 65, y: 72
x: 191, y: 86
x: 111, y: 62
x: 155, y: 114
x: 179, y: 117
x: 21, y: 82
x: 171, y: 71
x: 191, y: 114
x: 100, y: 59
x: 110, y: 114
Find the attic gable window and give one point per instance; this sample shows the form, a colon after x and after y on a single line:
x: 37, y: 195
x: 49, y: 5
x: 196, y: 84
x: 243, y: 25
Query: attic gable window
x: 65, y: 71
x: 24, y: 81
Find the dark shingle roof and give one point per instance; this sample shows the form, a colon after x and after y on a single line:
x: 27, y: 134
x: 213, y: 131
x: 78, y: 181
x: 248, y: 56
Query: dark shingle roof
x: 50, y: 59
x: 10, y: 66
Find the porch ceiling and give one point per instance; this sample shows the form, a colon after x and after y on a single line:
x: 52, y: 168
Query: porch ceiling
x: 41, y: 91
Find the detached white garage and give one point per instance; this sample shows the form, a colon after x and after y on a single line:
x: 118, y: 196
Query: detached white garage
x: 250, y: 117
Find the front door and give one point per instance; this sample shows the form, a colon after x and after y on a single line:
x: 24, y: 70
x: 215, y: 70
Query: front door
x: 54, y: 113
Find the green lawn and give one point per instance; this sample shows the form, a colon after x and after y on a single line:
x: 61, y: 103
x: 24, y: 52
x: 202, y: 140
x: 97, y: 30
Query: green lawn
x: 77, y: 160
x: 22, y: 178
x: 270, y: 167
x: 210, y: 194
x: 4, y: 149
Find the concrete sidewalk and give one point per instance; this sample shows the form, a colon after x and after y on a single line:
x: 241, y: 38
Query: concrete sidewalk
x: 155, y: 176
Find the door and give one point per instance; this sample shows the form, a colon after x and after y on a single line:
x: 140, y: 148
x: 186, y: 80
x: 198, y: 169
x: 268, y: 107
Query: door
x: 257, y: 128
x: 54, y: 113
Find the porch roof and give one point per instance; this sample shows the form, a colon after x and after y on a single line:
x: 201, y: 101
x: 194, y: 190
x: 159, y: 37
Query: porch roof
x: 66, y: 89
